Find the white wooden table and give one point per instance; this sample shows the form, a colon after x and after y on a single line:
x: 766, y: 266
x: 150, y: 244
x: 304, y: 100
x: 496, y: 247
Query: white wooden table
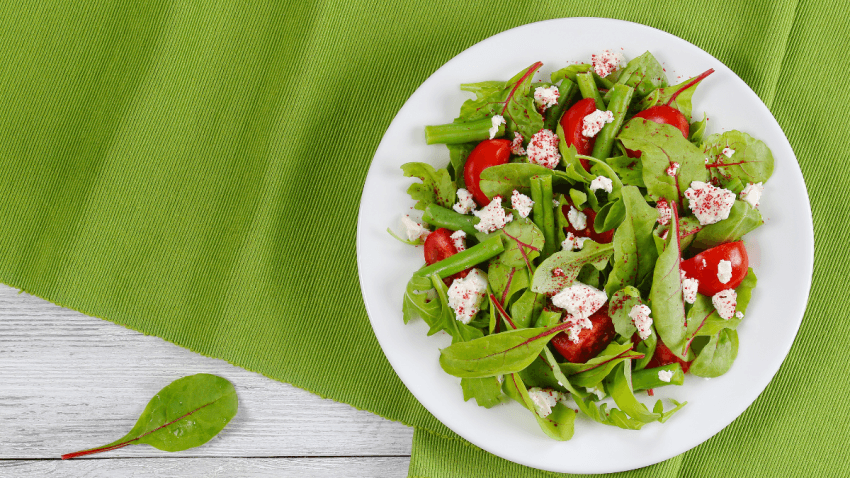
x: 70, y: 382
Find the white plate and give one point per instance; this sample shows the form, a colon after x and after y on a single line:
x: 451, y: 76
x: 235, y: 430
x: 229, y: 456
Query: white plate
x: 781, y: 253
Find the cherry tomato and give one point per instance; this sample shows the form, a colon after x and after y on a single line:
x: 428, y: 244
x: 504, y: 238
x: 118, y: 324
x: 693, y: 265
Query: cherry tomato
x: 490, y: 152
x: 662, y: 114
x: 572, y: 122
x: 589, y: 232
x: 590, y: 341
x: 663, y: 356
x: 703, y: 267
x: 438, y: 246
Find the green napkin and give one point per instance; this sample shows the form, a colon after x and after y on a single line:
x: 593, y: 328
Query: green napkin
x: 193, y: 171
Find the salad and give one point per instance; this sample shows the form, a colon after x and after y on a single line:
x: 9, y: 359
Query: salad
x: 584, y: 241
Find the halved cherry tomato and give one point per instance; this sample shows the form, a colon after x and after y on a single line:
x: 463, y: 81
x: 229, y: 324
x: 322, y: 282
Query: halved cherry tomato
x: 662, y: 114
x: 438, y: 246
x: 703, y: 267
x: 664, y: 356
x: 589, y: 232
x: 490, y: 152
x: 572, y: 123
x: 590, y: 341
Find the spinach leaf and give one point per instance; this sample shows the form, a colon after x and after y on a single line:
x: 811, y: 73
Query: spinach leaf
x: 661, y: 145
x: 486, y: 391
x: 437, y: 186
x: 703, y: 320
x: 742, y: 219
x: 628, y: 169
x: 501, y: 180
x: 619, y: 306
x: 644, y: 74
x: 717, y: 355
x: 506, y: 280
x: 498, y: 354
x: 594, y: 376
x: 697, y: 130
x: 558, y: 425
x: 457, y: 159
x: 682, y: 102
x: 667, y: 301
x: 523, y: 241
x: 525, y: 310
x: 510, y: 100
x: 187, y: 413
x: 571, y: 263
x: 634, y: 248
x: 610, y: 216
x: 459, y: 331
x: 620, y: 387
x: 752, y: 161
x: 573, y: 168
x: 647, y: 348
x: 570, y: 72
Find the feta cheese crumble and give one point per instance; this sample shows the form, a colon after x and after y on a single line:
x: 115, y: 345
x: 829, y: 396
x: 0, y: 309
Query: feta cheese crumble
x: 546, y: 97
x: 543, y: 149
x: 459, y: 240
x: 725, y: 302
x: 599, y: 393
x: 521, y: 203
x: 516, y: 145
x: 665, y: 213
x: 495, y: 122
x: 492, y: 216
x: 577, y: 219
x: 465, y: 295
x: 414, y: 229
x: 592, y: 124
x: 465, y: 204
x: 689, y: 289
x: 572, y: 242
x: 544, y: 399
x: 709, y: 204
x: 724, y: 271
x: 607, y: 62
x: 739, y: 314
x: 752, y: 194
x: 640, y: 317
x: 728, y: 152
x: 665, y: 375
x: 673, y: 169
x: 580, y: 301
x: 556, y: 203
x: 603, y: 183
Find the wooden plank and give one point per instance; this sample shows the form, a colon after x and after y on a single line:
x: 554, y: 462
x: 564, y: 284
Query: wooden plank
x: 383, y: 467
x: 71, y: 382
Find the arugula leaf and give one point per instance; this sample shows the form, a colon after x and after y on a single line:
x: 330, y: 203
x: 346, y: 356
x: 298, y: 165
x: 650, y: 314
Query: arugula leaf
x: 457, y: 159
x: 486, y: 391
x: 501, y: 180
x: 717, y: 355
x: 742, y: 219
x: 418, y: 303
x: 573, y: 168
x: 628, y: 169
x: 661, y: 145
x: 558, y: 425
x: 571, y: 263
x: 644, y: 74
x: 634, y: 248
x: 752, y: 161
x: 437, y: 186
x: 570, y: 72
x: 620, y: 387
x: 523, y: 241
x: 667, y: 301
x: 510, y: 100
x: 682, y: 102
x: 619, y: 306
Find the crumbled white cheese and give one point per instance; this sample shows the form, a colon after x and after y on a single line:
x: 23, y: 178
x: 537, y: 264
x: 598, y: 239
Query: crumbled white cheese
x: 459, y: 240
x: 640, y: 317
x: 709, y: 204
x: 607, y: 62
x: 580, y: 301
x: 492, y: 216
x: 495, y: 122
x: 572, y: 242
x: 521, y: 203
x: 543, y: 149
x: 725, y: 302
x: 465, y: 204
x: 728, y: 152
x: 544, y: 399
x: 752, y: 194
x: 673, y: 169
x: 739, y: 314
x: 665, y: 213
x: 414, y: 229
x: 516, y: 145
x: 724, y: 271
x: 546, y: 97
x: 603, y: 183
x: 592, y: 124
x: 689, y: 289
x: 466, y: 294
x: 577, y: 219
x: 599, y: 393
x: 704, y: 264
x: 665, y: 375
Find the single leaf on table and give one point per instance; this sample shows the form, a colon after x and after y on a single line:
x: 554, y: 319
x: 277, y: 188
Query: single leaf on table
x: 682, y: 102
x: 644, y: 74
x: 752, y: 161
x: 436, y: 187
x: 502, y: 179
x: 571, y: 263
x: 634, y: 247
x: 742, y: 219
x: 187, y: 413
x: 667, y: 300
x: 717, y: 355
x: 558, y: 425
x: 661, y: 145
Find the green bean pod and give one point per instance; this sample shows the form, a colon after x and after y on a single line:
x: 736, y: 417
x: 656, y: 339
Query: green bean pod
x: 464, y: 260
x: 542, y: 214
x: 587, y: 86
x: 619, y: 104
x: 457, y: 133
x: 442, y: 217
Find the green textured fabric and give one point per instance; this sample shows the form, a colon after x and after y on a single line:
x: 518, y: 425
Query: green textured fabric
x: 193, y: 170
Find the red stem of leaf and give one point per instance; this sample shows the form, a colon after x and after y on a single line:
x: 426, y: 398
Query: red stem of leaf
x: 502, y: 311
x: 689, y: 84
x: 508, y: 285
x: 530, y: 71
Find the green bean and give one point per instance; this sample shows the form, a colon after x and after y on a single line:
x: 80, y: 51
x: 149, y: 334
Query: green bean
x: 442, y: 217
x: 648, y: 377
x: 588, y: 89
x: 567, y: 92
x: 456, y: 133
x: 464, y: 260
x: 543, y: 216
x: 619, y: 104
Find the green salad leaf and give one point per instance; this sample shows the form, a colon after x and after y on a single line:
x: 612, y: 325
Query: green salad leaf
x: 619, y: 306
x: 487, y: 391
x: 570, y: 72
x: 525, y: 310
x: 606, y: 361
x: 457, y: 159
x: 644, y: 74
x: 667, y: 301
x: 501, y: 180
x: 571, y: 262
x: 523, y: 241
x: 436, y: 187
x: 609, y: 216
x: 558, y: 425
x: 752, y: 161
x: 418, y: 302
x: 717, y: 355
x: 634, y: 248
x: 506, y: 280
x: 620, y: 388
x: 511, y: 100
x: 742, y: 219
x: 628, y: 169
x: 697, y: 130
x: 573, y: 168
x: 682, y: 102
